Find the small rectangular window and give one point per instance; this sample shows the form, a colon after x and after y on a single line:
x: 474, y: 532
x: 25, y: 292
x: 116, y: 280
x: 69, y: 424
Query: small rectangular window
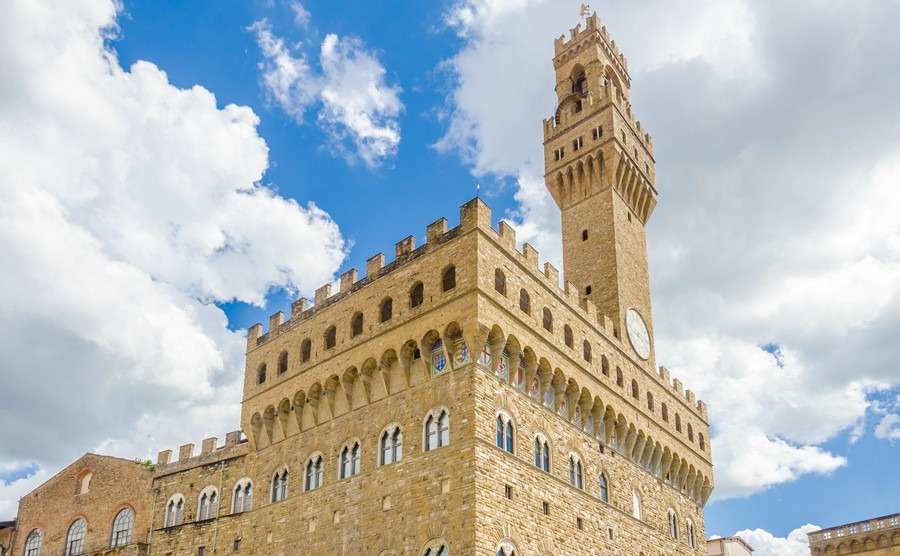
x: 597, y: 132
x: 237, y: 545
x: 601, y: 447
x: 584, y: 235
x: 507, y: 492
x: 559, y: 153
x: 546, y: 508
x: 577, y: 143
x: 610, y: 533
x: 201, y: 551
x: 579, y: 523
x: 587, y: 290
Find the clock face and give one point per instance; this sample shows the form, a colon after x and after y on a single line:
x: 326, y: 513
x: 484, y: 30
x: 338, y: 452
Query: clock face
x: 637, y: 333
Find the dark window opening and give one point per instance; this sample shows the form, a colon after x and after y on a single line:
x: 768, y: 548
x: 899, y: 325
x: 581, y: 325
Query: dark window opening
x: 330, y: 337
x: 448, y: 282
x: 417, y: 295
x: 387, y: 309
x: 584, y: 235
x: 305, y: 349
x: 587, y: 290
x: 524, y: 302
x: 356, y: 325
x: 261, y: 374
x: 548, y: 320
x: 500, y: 281
x: 282, y: 362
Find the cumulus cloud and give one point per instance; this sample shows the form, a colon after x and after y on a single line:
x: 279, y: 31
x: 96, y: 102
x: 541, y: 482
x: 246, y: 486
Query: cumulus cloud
x: 776, y: 224
x: 359, y: 109
x: 129, y: 207
x: 766, y: 544
x: 301, y: 14
x: 889, y: 427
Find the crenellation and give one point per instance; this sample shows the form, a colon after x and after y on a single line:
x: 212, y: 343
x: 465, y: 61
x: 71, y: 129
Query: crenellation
x: 298, y: 308
x: 374, y: 265
x: 276, y: 320
x: 254, y: 334
x: 701, y: 409
x: 475, y: 214
x: 664, y: 376
x: 164, y: 457
x: 507, y: 236
x: 551, y: 273
x: 208, y: 445
x: 186, y: 451
x: 678, y: 387
x: 435, y: 230
x: 691, y: 399
x: 532, y: 257
x: 348, y: 279
x: 321, y: 296
x: 404, y: 248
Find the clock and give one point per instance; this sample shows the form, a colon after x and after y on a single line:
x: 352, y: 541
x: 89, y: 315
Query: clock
x: 637, y: 333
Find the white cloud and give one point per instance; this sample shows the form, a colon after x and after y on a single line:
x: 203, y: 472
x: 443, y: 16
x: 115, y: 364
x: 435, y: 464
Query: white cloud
x: 128, y: 207
x: 766, y: 544
x: 776, y: 221
x: 301, y: 14
x: 359, y: 110
x: 889, y: 427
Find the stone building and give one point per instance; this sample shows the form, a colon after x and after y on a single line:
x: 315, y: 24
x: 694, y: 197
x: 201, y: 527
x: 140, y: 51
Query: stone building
x: 457, y: 400
x: 728, y: 546
x: 874, y: 537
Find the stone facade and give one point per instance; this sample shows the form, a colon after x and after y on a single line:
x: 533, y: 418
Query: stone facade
x: 458, y: 400
x: 94, y: 490
x: 728, y: 546
x: 873, y: 537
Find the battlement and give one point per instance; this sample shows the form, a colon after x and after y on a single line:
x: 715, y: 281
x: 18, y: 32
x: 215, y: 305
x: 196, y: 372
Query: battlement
x: 593, y: 30
x: 210, y: 452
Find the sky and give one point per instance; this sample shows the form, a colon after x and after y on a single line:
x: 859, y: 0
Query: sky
x: 173, y: 172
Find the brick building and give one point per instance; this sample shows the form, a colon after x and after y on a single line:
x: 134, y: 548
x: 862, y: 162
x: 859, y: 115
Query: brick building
x: 457, y: 400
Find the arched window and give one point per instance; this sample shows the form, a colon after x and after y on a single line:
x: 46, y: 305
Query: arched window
x: 437, y: 430
x: 506, y: 551
x: 416, y: 295
x: 448, y: 280
x: 85, y: 485
x: 634, y: 389
x: 282, y: 362
x: 242, y: 499
x: 636, y: 511
x: 505, y: 433
x: 356, y: 325
x: 305, y: 349
x: 75, y: 538
x: 330, y: 337
x: 664, y: 409
x: 280, y: 485
x: 33, y: 543
x: 604, y: 488
x: 587, y: 351
x: 604, y: 365
x: 175, y: 511
x: 350, y: 460
x: 386, y: 311
x: 620, y: 378
x: 500, y: 281
x: 391, y: 445
x: 672, y: 520
x: 208, y: 504
x: 690, y: 432
x: 700, y: 439
x: 314, y: 472
x: 548, y: 319
x: 440, y: 550
x: 542, y: 454
x: 261, y: 374
x: 524, y: 302
x: 576, y: 477
x: 121, y: 529
x: 691, y: 535
x: 678, y: 422
x: 650, y: 405
x: 567, y: 336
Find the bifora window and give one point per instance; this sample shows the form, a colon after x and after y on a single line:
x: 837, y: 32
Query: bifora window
x: 391, y: 446
x: 121, y: 529
x: 209, y: 503
x: 280, y: 485
x: 604, y: 488
x: 542, y: 454
x: 350, y: 460
x: 576, y: 477
x: 175, y: 511
x: 314, y: 473
x: 437, y: 430
x: 672, y: 520
x: 33, y: 543
x: 504, y: 432
x: 75, y: 538
x: 243, y: 497
x: 437, y: 551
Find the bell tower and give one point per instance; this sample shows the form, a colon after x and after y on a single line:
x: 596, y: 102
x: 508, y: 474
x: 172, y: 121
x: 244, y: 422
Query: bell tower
x: 599, y: 168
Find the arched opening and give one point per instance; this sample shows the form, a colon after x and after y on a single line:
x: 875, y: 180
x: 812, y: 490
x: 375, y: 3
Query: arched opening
x: 448, y: 280
x: 500, y: 281
x: 305, y: 349
x: 524, y: 302
x: 330, y: 337
x: 386, y: 311
x: 416, y: 295
x: 282, y: 362
x: 547, y: 319
x: 261, y: 374
x: 356, y: 325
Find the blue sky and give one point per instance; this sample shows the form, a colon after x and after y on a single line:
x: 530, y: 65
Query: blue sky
x: 204, y: 164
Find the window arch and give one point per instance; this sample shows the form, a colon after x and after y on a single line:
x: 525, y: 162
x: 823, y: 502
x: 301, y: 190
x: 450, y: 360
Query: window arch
x: 386, y: 310
x: 75, y: 538
x: 542, y: 453
x: 620, y: 378
x: 174, y: 511
x: 439, y: 549
x: 672, y: 521
x: 604, y: 488
x: 33, y: 543
x: 448, y: 280
x: 524, y: 302
x: 690, y: 534
x: 416, y: 295
x: 391, y: 445
x: 437, y: 429
x: 604, y: 365
x: 330, y: 337
x: 282, y: 362
x: 314, y: 472
x: 700, y: 439
x: 121, y: 528
x: 242, y: 496
x: 500, y: 281
x: 280, y: 482
x: 690, y: 432
x: 261, y: 374
x: 207, y: 503
x: 567, y: 336
x: 350, y: 460
x: 506, y: 549
x: 587, y: 351
x: 576, y: 472
x: 356, y: 325
x: 505, y: 432
x: 636, y: 509
x: 547, y: 319
x: 678, y: 422
x: 84, y: 484
x: 664, y: 409
x: 650, y: 404
x: 305, y: 350
x: 635, y: 393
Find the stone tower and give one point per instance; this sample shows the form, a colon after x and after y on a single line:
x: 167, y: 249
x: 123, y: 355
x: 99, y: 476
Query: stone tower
x: 600, y: 171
